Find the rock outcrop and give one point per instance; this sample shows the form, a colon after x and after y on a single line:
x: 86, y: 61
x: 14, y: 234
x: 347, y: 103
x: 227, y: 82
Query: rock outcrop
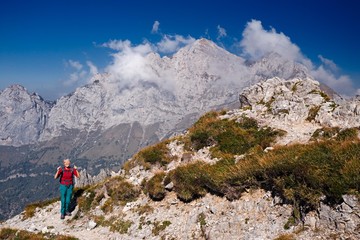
x: 297, y: 106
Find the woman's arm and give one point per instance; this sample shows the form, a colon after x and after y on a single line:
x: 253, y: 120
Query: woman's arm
x: 57, y: 173
x: 77, y: 172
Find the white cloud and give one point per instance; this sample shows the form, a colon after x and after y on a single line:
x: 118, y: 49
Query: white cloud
x: 329, y: 64
x: 340, y: 83
x: 258, y: 42
x: 92, y: 68
x: 126, y: 47
x: 75, y: 64
x: 78, y: 75
x: 172, y: 43
x: 221, y: 32
x: 329, y: 73
x: 131, y: 65
x: 75, y: 78
x: 155, y: 27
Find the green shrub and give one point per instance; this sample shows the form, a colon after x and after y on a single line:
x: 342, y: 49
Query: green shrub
x: 201, y: 219
x: 121, y: 191
x: 201, y: 139
x: 120, y: 226
x: 347, y: 134
x: 188, y: 181
x: 85, y: 201
x: 230, y: 136
x: 325, y: 133
x: 299, y: 173
x: 151, y: 155
x: 155, y: 187
x: 336, y: 133
x: 108, y: 206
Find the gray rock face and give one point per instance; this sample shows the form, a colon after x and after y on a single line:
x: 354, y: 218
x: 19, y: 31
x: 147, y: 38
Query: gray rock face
x: 86, y: 179
x: 297, y: 106
x: 23, y: 116
x: 343, y: 220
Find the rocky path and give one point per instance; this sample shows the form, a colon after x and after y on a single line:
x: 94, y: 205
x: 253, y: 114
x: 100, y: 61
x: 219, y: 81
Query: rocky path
x: 47, y: 220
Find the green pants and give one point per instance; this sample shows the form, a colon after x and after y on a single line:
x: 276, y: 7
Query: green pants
x: 65, y: 197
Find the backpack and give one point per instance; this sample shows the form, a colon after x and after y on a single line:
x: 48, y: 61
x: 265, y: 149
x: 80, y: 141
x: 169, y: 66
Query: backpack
x: 72, y: 175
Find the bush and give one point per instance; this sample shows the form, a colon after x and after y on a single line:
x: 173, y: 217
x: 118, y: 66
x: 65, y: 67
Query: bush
x: 151, y: 155
x: 347, y: 134
x: 230, y: 136
x: 336, y: 133
x: 121, y: 191
x: 155, y: 187
x: 85, y: 201
x: 188, y: 182
x: 325, y: 133
x: 300, y: 174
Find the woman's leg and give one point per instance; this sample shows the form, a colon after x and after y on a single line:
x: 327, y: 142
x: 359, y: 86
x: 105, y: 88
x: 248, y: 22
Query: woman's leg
x: 68, y: 197
x: 63, y: 190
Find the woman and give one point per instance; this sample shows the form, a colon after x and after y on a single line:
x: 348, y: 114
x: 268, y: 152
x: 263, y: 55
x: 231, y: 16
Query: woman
x: 66, y: 175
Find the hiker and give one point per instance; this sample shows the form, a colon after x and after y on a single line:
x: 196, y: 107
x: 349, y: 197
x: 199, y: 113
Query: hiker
x: 66, y: 175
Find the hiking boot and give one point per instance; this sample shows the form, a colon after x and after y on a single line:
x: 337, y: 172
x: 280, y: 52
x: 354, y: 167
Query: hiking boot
x: 62, y: 216
x: 68, y: 214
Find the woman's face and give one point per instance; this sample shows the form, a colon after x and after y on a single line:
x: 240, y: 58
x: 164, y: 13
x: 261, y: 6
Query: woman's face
x: 66, y: 162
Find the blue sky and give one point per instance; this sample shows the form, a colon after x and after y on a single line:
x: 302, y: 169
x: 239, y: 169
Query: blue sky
x: 47, y: 46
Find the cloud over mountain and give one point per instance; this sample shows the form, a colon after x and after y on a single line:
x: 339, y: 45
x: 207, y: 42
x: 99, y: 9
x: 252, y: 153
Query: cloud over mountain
x: 257, y: 42
x: 130, y: 64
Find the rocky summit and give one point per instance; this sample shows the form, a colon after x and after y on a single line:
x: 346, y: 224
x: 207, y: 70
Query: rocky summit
x: 285, y: 165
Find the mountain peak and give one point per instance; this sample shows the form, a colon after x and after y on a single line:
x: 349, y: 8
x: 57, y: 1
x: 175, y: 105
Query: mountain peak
x: 204, y: 42
x: 16, y: 87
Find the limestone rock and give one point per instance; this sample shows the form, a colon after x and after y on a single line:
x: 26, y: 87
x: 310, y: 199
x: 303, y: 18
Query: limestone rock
x: 91, y: 225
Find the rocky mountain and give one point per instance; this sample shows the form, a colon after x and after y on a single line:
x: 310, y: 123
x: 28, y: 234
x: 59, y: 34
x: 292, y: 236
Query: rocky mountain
x: 194, y: 80
x: 23, y: 116
x: 102, y: 124
x: 285, y: 165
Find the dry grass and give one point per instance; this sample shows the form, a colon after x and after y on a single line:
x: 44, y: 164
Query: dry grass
x: 229, y: 136
x: 155, y: 187
x: 30, y: 209
x: 15, y: 234
x: 313, y: 113
x: 157, y: 154
x: 285, y: 237
x: 300, y: 174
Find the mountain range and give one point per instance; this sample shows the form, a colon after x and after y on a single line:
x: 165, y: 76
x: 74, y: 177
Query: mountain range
x: 283, y: 165
x: 102, y: 124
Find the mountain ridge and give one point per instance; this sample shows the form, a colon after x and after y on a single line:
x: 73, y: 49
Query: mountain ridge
x: 102, y: 124
x: 248, y: 173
